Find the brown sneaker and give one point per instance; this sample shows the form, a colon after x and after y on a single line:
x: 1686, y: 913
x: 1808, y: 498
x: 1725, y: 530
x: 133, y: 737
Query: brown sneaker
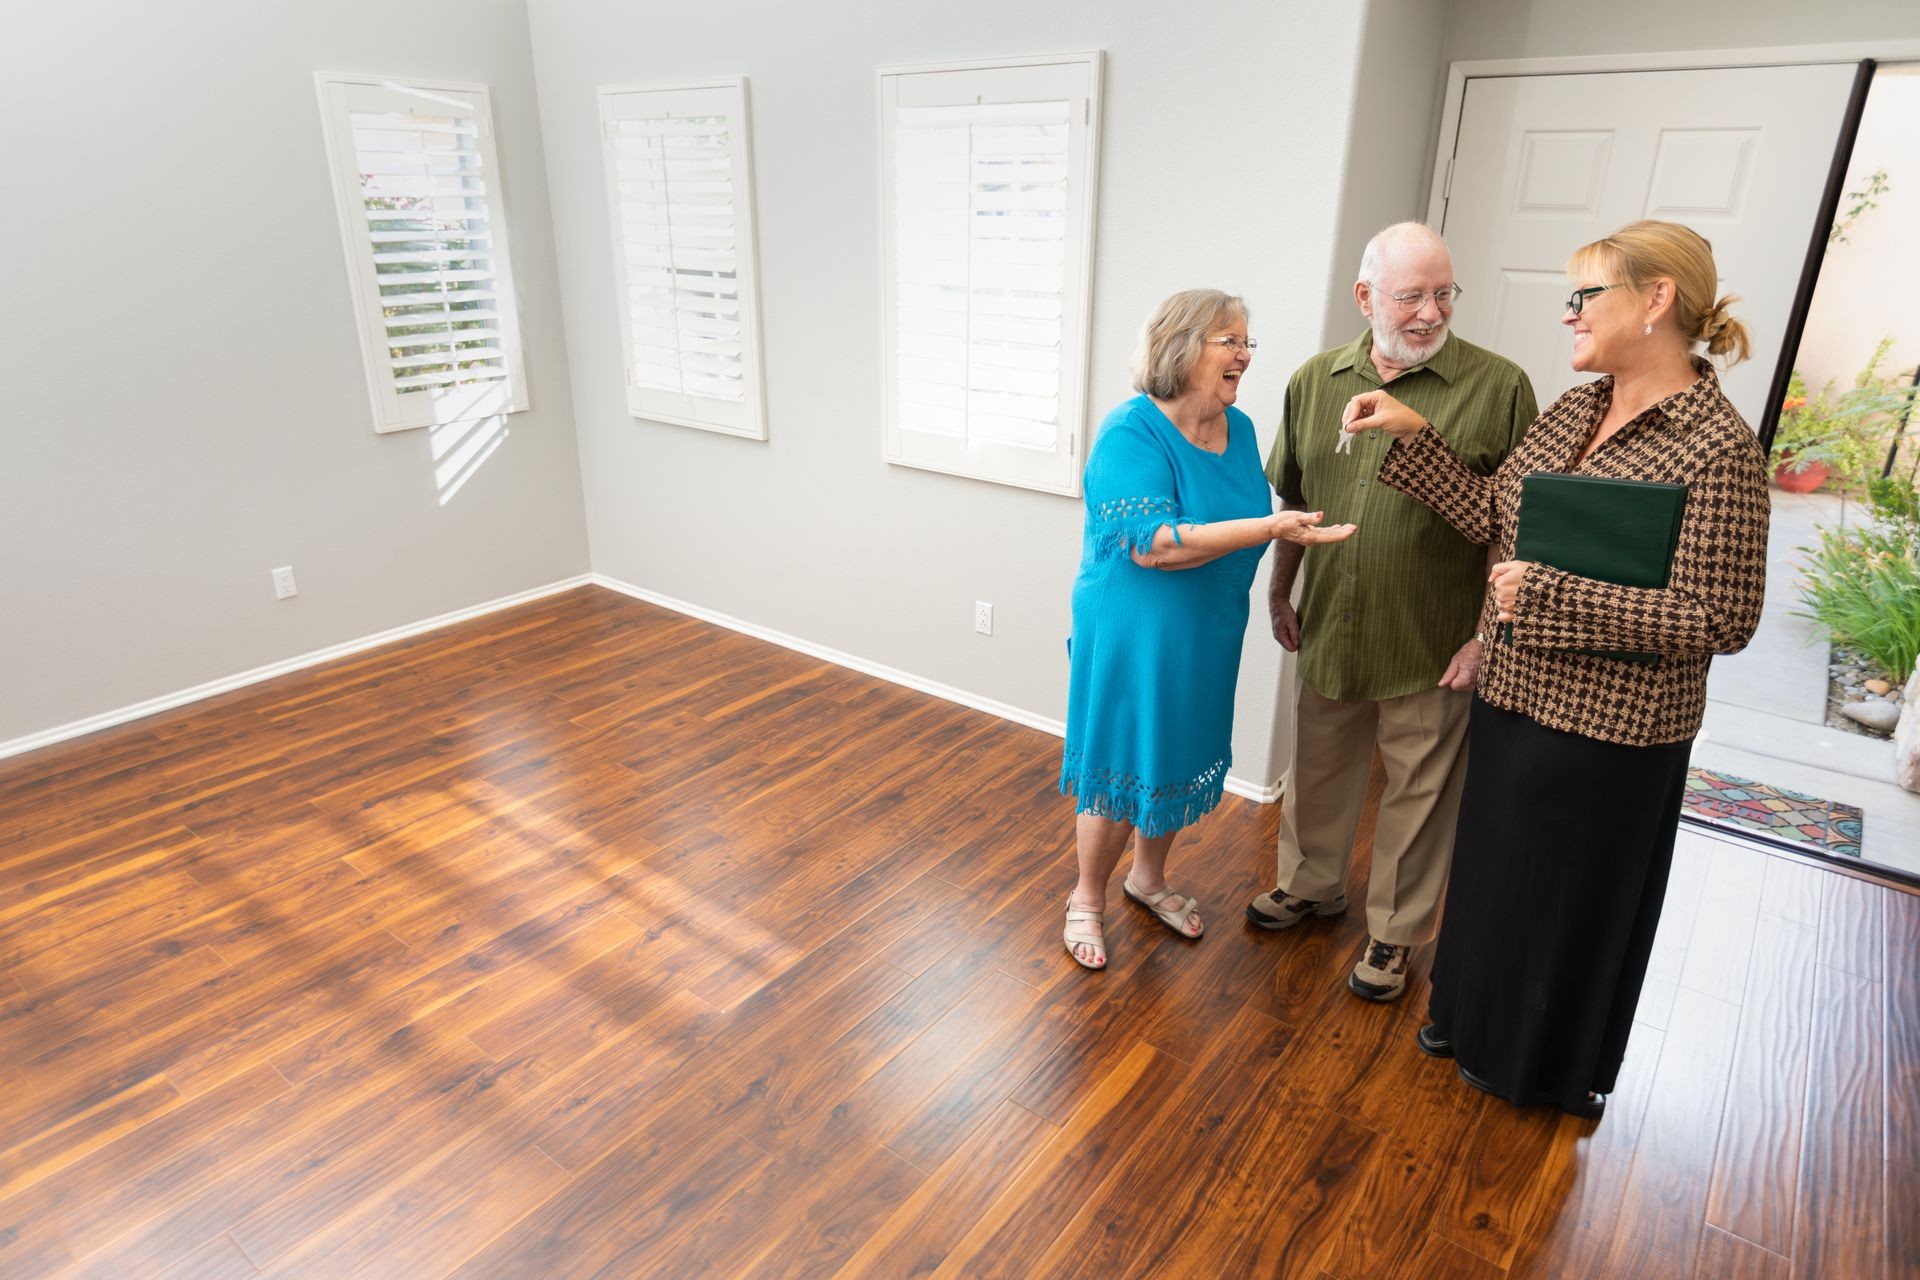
x: 1278, y: 909
x: 1382, y: 971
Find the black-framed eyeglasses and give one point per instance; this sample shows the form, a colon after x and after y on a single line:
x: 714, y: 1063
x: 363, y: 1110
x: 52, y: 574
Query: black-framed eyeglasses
x: 1233, y: 344
x: 1577, y: 300
x: 1442, y: 298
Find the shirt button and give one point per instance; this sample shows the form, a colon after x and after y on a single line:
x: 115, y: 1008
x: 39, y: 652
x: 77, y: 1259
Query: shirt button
x: 1363, y: 484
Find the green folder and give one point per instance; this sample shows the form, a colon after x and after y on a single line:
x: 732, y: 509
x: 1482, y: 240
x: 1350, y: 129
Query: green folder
x: 1618, y: 531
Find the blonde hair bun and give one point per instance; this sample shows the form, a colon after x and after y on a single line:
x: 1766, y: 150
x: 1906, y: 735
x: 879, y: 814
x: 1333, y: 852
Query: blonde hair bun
x: 1723, y: 332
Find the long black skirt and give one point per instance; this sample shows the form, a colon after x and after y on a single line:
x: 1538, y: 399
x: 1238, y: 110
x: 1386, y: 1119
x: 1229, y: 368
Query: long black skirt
x: 1559, y: 869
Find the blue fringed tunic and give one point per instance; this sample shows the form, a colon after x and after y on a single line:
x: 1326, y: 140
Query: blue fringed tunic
x: 1155, y: 653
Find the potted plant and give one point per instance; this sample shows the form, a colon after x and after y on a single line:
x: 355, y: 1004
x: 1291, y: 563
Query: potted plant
x: 1802, y: 443
x: 1842, y: 434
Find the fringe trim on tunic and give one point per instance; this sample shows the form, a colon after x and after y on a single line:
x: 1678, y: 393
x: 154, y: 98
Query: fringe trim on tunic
x: 1154, y: 811
x: 1125, y: 525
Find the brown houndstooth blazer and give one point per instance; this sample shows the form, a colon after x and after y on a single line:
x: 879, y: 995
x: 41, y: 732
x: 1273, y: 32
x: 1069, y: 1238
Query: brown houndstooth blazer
x: 1710, y: 605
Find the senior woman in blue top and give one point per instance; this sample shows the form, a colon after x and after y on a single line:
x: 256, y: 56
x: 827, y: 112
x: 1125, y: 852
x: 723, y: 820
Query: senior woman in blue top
x: 1178, y: 514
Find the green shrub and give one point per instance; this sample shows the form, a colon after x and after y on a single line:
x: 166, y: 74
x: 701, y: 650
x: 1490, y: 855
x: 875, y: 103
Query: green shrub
x: 1894, y: 498
x: 1864, y: 584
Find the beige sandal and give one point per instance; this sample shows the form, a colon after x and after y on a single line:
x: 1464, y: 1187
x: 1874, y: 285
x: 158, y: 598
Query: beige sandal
x: 1077, y: 915
x: 1174, y: 920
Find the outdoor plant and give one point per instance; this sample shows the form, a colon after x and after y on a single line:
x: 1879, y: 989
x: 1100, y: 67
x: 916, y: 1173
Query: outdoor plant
x: 1863, y: 200
x: 1798, y: 437
x: 1894, y: 496
x: 1848, y: 430
x: 1863, y: 583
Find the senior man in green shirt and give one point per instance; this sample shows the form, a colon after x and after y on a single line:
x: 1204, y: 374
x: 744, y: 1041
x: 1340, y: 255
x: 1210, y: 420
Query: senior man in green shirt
x: 1387, y: 628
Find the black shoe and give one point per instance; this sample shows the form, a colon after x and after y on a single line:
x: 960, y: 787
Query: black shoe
x: 1591, y: 1108
x: 1477, y: 1082
x: 1431, y: 1044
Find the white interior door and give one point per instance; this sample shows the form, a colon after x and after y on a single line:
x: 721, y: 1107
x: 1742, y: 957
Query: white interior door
x: 1546, y: 163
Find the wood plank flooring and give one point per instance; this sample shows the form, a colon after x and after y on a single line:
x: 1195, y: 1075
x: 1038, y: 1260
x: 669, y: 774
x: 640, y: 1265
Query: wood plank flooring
x: 586, y: 939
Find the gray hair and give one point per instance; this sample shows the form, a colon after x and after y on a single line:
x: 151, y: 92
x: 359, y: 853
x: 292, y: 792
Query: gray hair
x: 1170, y: 341
x: 1374, y: 260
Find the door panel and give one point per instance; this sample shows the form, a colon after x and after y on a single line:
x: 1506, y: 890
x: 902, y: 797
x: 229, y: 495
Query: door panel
x: 1547, y: 163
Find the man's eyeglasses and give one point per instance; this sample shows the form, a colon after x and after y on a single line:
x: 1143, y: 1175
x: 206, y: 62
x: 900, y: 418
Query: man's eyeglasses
x: 1233, y: 344
x: 1577, y: 300
x: 1442, y: 298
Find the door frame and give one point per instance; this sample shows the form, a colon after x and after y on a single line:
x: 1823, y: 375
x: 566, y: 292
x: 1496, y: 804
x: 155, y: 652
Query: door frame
x: 1459, y: 73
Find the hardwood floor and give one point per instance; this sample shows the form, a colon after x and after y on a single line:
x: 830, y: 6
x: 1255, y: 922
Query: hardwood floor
x: 587, y: 939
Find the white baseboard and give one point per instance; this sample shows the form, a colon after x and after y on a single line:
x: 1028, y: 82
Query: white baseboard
x: 1252, y: 790
x: 108, y: 719
x: 893, y: 675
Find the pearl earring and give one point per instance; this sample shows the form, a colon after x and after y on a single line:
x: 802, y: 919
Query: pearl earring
x: 1648, y: 331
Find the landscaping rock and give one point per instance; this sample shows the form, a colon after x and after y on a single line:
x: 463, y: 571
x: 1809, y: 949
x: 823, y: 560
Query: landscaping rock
x: 1874, y: 713
x: 1906, y: 739
x: 1880, y: 687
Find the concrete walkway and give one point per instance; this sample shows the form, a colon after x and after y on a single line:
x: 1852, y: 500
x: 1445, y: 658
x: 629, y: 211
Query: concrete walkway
x: 1767, y: 706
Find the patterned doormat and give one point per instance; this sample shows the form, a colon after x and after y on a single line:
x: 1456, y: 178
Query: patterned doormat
x: 1741, y: 805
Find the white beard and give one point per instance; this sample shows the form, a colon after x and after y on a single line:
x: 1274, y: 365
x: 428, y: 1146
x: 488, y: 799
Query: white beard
x: 1391, y: 343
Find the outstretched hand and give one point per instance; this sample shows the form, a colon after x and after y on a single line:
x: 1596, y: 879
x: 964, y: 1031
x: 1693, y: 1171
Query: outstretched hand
x: 1304, y: 528
x: 1378, y: 411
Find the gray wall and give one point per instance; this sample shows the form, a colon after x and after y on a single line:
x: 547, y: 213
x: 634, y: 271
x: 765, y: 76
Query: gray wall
x: 1389, y: 167
x: 1225, y: 141
x: 186, y: 407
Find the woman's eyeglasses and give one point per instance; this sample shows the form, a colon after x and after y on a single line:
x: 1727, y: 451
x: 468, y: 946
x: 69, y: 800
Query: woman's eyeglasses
x: 1577, y: 301
x: 1233, y: 344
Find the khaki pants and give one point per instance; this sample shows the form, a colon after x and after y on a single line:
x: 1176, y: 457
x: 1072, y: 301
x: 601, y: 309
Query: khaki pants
x: 1422, y: 741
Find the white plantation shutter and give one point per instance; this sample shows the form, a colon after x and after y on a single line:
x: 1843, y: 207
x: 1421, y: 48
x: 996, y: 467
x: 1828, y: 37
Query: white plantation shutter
x: 680, y: 201
x: 987, y: 174
x: 417, y: 184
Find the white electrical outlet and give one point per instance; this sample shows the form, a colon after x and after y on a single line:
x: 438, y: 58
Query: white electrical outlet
x: 283, y: 583
x: 983, y: 617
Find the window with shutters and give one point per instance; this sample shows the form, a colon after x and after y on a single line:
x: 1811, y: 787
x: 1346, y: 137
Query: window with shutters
x: 417, y: 186
x: 987, y: 187
x: 680, y: 201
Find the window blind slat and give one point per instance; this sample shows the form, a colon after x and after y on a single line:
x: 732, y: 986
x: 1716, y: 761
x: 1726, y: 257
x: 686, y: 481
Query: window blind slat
x: 406, y: 163
x: 450, y: 378
x: 458, y: 126
x: 457, y: 355
x: 456, y: 211
x: 398, y: 279
x: 986, y: 113
x: 467, y: 236
x: 425, y: 186
x: 450, y: 298
x: 430, y: 255
x: 442, y: 337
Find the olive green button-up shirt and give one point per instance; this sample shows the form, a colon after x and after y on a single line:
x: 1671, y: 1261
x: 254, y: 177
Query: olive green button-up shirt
x: 1383, y: 612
